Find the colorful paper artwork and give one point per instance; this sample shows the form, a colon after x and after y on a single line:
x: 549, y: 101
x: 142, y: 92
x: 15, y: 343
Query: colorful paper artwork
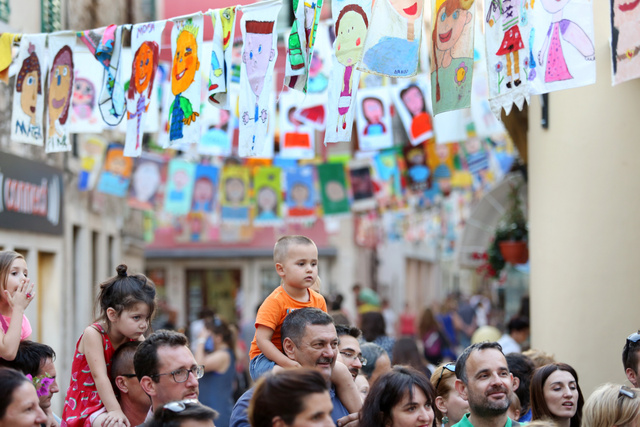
x: 145, y: 45
x: 259, y: 53
x: 417, y: 171
x: 562, y: 45
x: 388, y: 173
x: 205, y: 189
x: 267, y: 187
x: 300, y: 43
x: 441, y: 162
x: 106, y: 44
x: 224, y: 28
x: 234, y: 200
x: 477, y: 160
x: 217, y: 131
x: 351, y: 20
x: 296, y: 139
x: 374, y: 119
x: 507, y: 24
x: 411, y: 104
x: 333, y: 189
x: 85, y: 114
x: 392, y: 44
x: 362, y: 188
x: 146, y: 180
x: 186, y: 39
x: 452, y: 54
x: 60, y: 85
x: 91, y: 151
x: 179, y: 187
x: 625, y: 40
x: 116, y: 174
x: 301, y: 193
x: 28, y: 95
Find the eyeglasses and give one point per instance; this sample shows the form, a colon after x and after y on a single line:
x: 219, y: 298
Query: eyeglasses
x: 180, y: 405
x: 351, y: 355
x: 182, y: 374
x: 626, y: 391
x: 451, y: 367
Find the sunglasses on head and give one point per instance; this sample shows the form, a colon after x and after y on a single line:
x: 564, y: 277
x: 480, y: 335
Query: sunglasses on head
x: 626, y: 391
x: 451, y: 367
x: 633, y: 338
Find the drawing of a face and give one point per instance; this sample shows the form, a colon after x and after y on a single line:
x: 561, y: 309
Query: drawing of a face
x: 29, y: 96
x: 449, y: 26
x: 224, y: 119
x: 185, y: 62
x: 117, y: 164
x: 553, y: 6
x: 413, y: 100
x: 146, y: 179
x: 267, y: 199
x: 299, y: 194
x: 626, y: 12
x: 144, y: 63
x: 60, y: 86
x: 372, y: 110
x: 334, y: 191
x: 442, y: 152
x: 416, y: 156
x: 203, y: 190
x: 234, y: 190
x: 227, y: 17
x: 258, y: 53
x: 351, y: 29
x: 472, y: 145
x: 180, y: 179
x: 83, y: 93
x: 410, y: 9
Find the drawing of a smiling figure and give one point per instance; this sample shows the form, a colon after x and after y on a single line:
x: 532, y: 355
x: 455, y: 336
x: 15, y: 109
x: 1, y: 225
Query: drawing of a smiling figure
x: 183, y: 71
x: 60, y: 91
x: 28, y: 84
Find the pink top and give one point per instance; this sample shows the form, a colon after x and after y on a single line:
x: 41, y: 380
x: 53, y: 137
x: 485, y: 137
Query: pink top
x: 26, y: 326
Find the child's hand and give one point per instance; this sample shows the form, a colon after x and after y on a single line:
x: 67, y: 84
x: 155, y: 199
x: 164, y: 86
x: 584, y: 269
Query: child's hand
x: 116, y: 419
x: 22, y: 296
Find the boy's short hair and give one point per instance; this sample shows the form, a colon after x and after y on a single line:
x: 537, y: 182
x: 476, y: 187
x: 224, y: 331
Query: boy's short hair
x: 281, y: 249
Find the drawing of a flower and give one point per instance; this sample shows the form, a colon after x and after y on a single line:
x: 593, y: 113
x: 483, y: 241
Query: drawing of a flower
x: 526, y: 62
x: 461, y: 73
x: 499, y: 67
x: 499, y: 71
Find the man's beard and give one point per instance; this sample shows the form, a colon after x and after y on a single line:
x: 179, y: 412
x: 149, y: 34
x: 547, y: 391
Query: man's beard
x: 486, y: 408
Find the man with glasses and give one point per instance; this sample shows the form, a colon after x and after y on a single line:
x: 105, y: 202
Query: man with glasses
x: 349, y: 347
x: 631, y: 358
x: 134, y: 402
x: 166, y: 368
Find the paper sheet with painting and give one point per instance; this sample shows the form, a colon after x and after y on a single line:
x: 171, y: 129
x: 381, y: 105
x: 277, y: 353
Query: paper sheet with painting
x: 410, y: 100
x: 224, y: 27
x: 297, y: 140
x: 301, y: 193
x: 373, y: 119
x: 85, y: 114
x: 234, y: 195
x: 625, y: 40
x: 60, y: 93
x: 300, y: 43
x: 268, y: 196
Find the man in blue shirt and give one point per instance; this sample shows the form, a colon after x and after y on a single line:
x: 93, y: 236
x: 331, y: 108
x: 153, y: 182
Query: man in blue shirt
x: 309, y: 337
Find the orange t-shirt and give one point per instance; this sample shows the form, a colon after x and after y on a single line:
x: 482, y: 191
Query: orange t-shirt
x: 275, y: 308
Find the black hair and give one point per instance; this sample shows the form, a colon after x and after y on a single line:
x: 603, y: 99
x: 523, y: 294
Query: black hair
x: 296, y: 322
x: 389, y: 390
x: 30, y: 358
x: 461, y: 363
x: 630, y: 353
x: 145, y: 361
x: 193, y: 410
x: 10, y: 380
x: 522, y: 368
x: 348, y: 330
x: 123, y: 291
x: 122, y: 362
x: 517, y: 323
x: 372, y: 325
x: 220, y: 327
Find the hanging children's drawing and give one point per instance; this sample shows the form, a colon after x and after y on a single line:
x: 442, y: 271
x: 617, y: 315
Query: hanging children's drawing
x: 85, y: 114
x: 411, y: 104
x: 301, y: 193
x: 224, y: 28
x: 374, y: 119
x: 300, y: 43
x: 146, y: 180
x: 268, y: 207
x: 234, y: 200
x: 28, y: 95
x: 361, y: 185
x: 625, y: 40
x: 217, y: 131
x: 296, y: 138
x: 116, y: 173
x: 179, y: 187
x: 91, y: 151
x: 205, y: 189
x: 145, y: 44
x: 60, y: 85
x: 333, y: 189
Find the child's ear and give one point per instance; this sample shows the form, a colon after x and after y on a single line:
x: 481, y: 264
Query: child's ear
x: 112, y: 315
x: 280, y: 269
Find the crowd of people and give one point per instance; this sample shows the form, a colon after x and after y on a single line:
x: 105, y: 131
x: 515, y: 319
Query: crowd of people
x: 309, y: 367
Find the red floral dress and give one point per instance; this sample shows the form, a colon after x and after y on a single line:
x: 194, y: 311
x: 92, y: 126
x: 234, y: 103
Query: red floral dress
x: 82, y: 396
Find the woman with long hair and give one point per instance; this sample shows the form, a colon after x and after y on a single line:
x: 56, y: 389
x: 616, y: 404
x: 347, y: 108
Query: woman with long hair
x: 556, y: 395
x: 449, y: 407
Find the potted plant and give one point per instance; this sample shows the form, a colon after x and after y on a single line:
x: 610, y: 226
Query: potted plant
x: 512, y: 232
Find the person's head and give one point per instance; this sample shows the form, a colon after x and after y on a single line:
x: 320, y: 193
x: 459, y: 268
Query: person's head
x: 555, y: 394
x: 428, y: 321
x: 448, y: 401
x: 351, y: 29
x: 126, y: 302
x: 166, y: 368
x: 36, y: 359
x: 362, y: 385
x: 123, y: 377
x: 405, y: 352
x: 258, y: 52
x: 372, y: 109
x: 372, y: 325
x: 19, y: 405
x: 413, y: 98
x: 521, y: 367
x: 539, y: 357
x: 185, y: 58
x: 183, y: 413
x: 630, y: 357
x: 349, y: 346
x: 143, y: 70
x: 518, y: 329
x: 221, y: 332
x: 294, y: 397
x: 612, y: 405
x: 28, y: 83
x: 400, y: 398
x: 13, y: 270
x: 378, y: 362
x: 309, y: 337
x: 296, y: 259
x: 484, y: 380
x: 61, y: 85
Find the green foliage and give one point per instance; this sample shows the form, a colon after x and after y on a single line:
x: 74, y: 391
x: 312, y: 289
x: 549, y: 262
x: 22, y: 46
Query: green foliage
x: 513, y: 225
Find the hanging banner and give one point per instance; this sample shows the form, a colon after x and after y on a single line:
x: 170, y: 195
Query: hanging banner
x: 301, y: 193
x: 224, y: 28
x: 477, y: 160
x: 267, y: 187
x: 217, y: 132
x: 351, y: 20
x: 333, y: 184
x: 301, y: 42
x: 60, y: 85
x: 179, y: 188
x: 116, y: 173
x: 85, y: 114
x: 205, y: 189
x: 28, y: 95
x: 417, y: 171
x: 91, y: 151
x: 259, y: 53
x: 146, y: 180
x: 296, y: 139
x: 411, y: 104
x: 563, y: 45
x: 105, y: 44
x: 388, y: 173
x: 186, y: 39
x: 625, y: 41
x: 361, y: 185
x: 392, y: 45
x: 145, y: 45
x: 234, y: 200
x: 374, y: 119
x: 452, y: 54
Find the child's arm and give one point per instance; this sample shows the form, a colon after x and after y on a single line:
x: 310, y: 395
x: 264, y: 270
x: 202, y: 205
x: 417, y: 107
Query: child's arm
x: 93, y: 351
x: 18, y: 302
x: 346, y: 388
x: 263, y: 339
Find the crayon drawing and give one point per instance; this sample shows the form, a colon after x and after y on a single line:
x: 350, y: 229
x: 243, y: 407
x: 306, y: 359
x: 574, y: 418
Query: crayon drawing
x: 333, y: 185
x: 234, y: 201
x: 224, y: 27
x: 268, y: 197
x: 85, y: 114
x: 411, y: 105
x: 374, y: 119
x: 296, y: 138
x: 145, y: 181
x: 361, y: 185
x: 60, y: 84
x: 116, y: 173
x: 301, y: 193
x: 625, y: 40
x: 205, y: 189
x: 179, y: 187
x: 217, y: 131
x: 300, y: 43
